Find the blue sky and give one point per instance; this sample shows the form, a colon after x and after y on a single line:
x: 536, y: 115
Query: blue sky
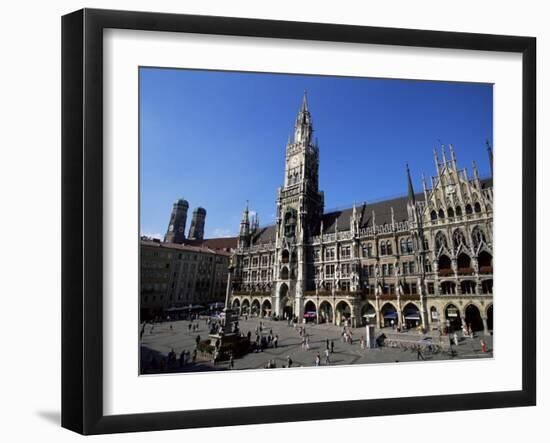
x: 218, y: 139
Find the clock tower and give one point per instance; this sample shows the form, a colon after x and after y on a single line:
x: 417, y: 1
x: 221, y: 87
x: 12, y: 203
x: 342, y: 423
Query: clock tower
x: 300, y: 207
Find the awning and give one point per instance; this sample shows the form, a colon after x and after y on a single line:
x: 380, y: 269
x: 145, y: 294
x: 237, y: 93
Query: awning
x: 310, y: 315
x: 390, y: 314
x: 412, y: 317
x: 371, y: 315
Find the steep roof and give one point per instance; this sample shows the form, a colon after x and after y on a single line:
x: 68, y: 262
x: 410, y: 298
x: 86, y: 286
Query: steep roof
x: 224, y: 243
x: 265, y: 234
x: 382, y: 214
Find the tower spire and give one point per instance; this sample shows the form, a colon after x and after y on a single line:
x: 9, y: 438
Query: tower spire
x: 436, y: 160
x: 490, y: 153
x: 410, y: 187
x: 304, y: 102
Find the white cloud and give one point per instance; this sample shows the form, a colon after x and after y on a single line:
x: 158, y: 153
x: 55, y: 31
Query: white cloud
x: 221, y: 232
x: 152, y: 235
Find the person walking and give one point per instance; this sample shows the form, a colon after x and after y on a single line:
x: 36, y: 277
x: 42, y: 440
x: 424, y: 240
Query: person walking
x: 419, y: 355
x: 317, y: 360
x: 276, y: 341
x: 483, y: 346
x: 288, y: 361
x: 327, y: 359
x: 231, y: 362
x: 332, y: 346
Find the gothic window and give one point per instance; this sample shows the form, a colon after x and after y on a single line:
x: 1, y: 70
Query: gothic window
x: 405, y: 268
x: 478, y: 237
x: 255, y: 262
x: 369, y: 249
x: 390, y: 269
x: 450, y: 212
x: 458, y: 211
x: 477, y: 207
x: 468, y: 209
x: 329, y: 254
x: 388, y: 248
x: 440, y: 241
x: 426, y: 244
x: 346, y: 252
x: 458, y: 238
x: 384, y: 269
x: 264, y: 260
x: 433, y: 215
x: 403, y: 246
x: 316, y: 255
x: 409, y: 245
x: 285, y: 256
x: 448, y: 288
x: 329, y: 270
x: 487, y: 286
x: 411, y: 267
x: 371, y: 270
x: 382, y: 248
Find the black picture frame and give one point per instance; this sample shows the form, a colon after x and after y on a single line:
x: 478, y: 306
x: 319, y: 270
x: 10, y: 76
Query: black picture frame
x: 82, y: 215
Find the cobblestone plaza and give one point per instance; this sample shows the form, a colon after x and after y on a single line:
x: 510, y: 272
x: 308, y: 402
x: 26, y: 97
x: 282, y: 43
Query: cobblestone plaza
x: 176, y: 336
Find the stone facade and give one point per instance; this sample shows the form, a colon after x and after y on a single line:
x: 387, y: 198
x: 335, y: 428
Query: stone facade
x: 175, y: 276
x: 424, y: 259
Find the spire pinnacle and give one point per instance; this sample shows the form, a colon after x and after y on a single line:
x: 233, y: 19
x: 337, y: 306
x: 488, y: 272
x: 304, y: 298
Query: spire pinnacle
x: 304, y: 102
x: 490, y: 153
x: 410, y: 186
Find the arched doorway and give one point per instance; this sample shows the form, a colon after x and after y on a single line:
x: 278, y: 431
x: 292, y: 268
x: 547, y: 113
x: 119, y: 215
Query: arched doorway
x: 255, y: 307
x: 286, y: 310
x: 490, y: 318
x: 236, y: 305
x: 245, y: 307
x: 368, y: 314
x: 389, y: 315
x: 266, y: 308
x: 325, y: 312
x: 343, y: 313
x: 473, y: 318
x: 310, y: 311
x: 411, y: 316
x: 452, y: 317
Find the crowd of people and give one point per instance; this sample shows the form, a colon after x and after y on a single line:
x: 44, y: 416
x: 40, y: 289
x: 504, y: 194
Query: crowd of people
x: 260, y: 338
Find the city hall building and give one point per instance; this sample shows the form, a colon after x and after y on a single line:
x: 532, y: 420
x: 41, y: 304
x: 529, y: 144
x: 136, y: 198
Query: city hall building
x: 424, y: 259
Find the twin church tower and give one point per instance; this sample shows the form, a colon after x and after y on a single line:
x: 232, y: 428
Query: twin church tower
x: 178, y: 220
